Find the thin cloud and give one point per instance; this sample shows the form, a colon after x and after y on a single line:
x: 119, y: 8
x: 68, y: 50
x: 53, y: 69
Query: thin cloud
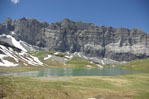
x: 15, y: 1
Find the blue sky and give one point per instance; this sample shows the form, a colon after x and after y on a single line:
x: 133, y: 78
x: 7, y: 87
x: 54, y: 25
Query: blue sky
x: 115, y: 13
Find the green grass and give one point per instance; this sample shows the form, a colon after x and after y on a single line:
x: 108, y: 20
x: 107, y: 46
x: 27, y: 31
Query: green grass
x: 115, y: 87
x: 80, y: 63
x: 73, y: 63
x: 40, y: 53
x: 139, y: 64
x: 21, y: 69
x: 142, y: 95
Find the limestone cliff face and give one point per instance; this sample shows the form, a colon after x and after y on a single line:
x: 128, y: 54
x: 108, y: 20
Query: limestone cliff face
x: 120, y: 44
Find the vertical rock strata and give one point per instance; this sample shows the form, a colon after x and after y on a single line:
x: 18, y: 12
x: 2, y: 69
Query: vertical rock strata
x: 119, y: 44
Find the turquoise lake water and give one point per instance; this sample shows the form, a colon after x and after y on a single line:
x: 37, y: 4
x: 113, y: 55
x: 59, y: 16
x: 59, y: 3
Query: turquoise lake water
x: 106, y: 71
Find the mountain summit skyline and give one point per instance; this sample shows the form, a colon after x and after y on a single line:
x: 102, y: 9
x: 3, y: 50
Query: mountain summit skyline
x: 115, y: 13
x: 121, y: 44
x: 63, y: 20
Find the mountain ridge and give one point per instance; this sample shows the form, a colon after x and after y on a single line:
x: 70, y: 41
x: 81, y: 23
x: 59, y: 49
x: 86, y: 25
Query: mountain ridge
x: 119, y: 44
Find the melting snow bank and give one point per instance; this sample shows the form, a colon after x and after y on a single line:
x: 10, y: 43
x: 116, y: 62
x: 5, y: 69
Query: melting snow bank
x: 56, y: 53
x: 30, y: 59
x: 6, y: 63
x: 99, y: 66
x: 12, y: 41
x: 9, y: 57
x: 49, y: 56
x: 69, y: 57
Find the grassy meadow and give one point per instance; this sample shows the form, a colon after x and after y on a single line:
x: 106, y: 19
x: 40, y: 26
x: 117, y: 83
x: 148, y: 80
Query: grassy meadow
x: 135, y: 86
x: 139, y: 64
x: 109, y: 87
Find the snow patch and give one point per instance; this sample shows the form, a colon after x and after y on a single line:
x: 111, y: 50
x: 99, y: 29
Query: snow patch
x: 68, y: 53
x: 7, y: 63
x: 12, y: 32
x: 91, y: 62
x: 56, y: 53
x: 69, y: 57
x: 8, y: 52
x: 99, y: 66
x: 22, y: 56
x: 14, y: 42
x: 74, y: 53
x: 37, y: 60
x: 102, y: 62
x: 49, y: 56
x: 79, y: 55
x: 2, y: 56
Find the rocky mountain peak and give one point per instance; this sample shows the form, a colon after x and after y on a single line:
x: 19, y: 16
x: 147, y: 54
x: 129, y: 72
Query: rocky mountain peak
x: 7, y: 25
x: 24, y: 18
x: 7, y: 21
x: 120, y: 44
x: 67, y: 23
x: 66, y: 20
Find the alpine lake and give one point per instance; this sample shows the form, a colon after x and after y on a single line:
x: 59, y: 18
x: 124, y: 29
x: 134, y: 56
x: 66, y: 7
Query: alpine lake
x: 75, y: 83
x: 47, y: 72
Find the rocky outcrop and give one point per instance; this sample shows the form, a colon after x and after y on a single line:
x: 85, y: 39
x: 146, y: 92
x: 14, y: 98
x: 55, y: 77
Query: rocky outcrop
x: 23, y: 29
x: 120, y: 44
x: 9, y: 46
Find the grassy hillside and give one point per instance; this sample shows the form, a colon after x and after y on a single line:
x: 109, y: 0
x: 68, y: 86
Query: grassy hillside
x: 80, y: 63
x: 116, y: 87
x: 140, y: 64
x: 75, y: 62
x: 57, y: 61
x: 41, y: 53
